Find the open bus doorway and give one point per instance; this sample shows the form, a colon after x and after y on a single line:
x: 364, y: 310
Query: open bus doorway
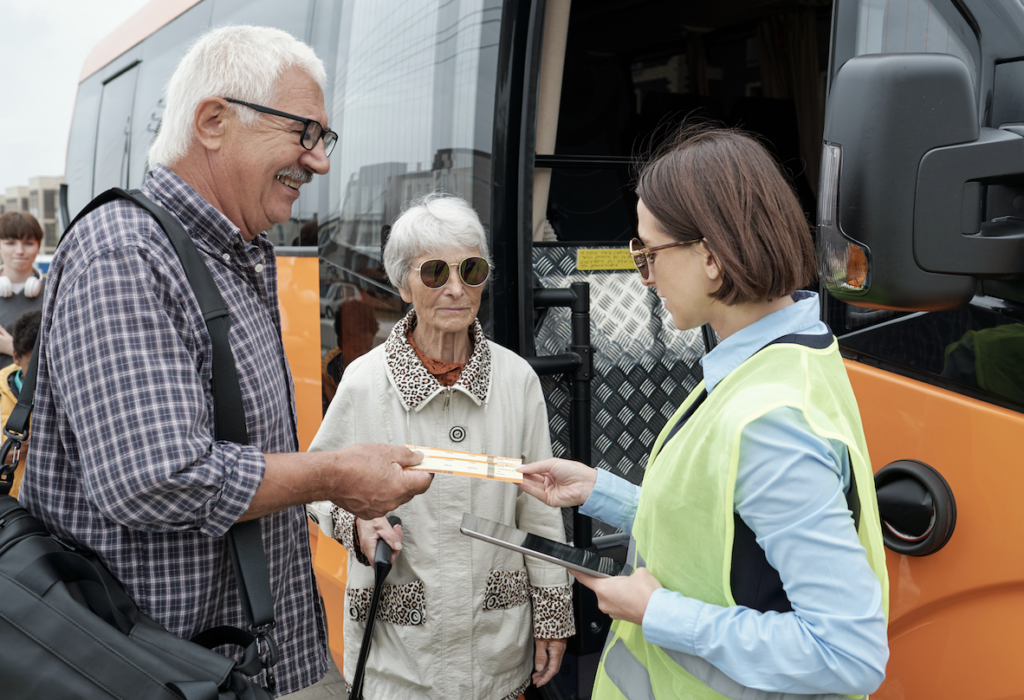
x: 614, y: 78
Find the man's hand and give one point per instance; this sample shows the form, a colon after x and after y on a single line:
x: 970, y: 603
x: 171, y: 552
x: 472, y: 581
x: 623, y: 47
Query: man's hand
x: 558, y: 482
x: 622, y: 597
x: 366, y: 480
x: 547, y: 659
x: 375, y: 482
x: 372, y: 531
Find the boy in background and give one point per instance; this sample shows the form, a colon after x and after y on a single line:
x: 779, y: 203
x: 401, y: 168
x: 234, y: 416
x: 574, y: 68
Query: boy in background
x: 23, y: 333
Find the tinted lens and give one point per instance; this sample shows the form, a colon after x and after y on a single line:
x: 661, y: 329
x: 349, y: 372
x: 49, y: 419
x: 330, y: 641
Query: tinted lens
x: 639, y: 259
x: 434, y: 273
x: 474, y: 271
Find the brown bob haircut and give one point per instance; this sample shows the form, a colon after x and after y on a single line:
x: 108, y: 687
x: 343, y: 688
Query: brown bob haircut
x: 19, y: 226
x: 723, y: 186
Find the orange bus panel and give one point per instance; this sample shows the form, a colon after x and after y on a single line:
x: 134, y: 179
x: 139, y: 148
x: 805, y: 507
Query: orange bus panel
x: 299, y: 300
x: 954, y: 615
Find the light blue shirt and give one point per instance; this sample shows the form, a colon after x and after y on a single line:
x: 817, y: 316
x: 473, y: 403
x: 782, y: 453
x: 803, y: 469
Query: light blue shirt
x: 790, y: 490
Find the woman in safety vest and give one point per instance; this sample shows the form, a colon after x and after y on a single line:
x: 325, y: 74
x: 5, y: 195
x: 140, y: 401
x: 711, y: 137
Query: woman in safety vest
x: 757, y: 563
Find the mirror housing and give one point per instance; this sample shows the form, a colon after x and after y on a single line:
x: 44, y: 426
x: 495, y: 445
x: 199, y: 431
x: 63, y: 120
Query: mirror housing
x: 905, y: 218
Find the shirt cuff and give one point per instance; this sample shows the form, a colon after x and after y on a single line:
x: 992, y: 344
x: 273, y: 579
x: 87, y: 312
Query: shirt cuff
x: 671, y: 620
x: 613, y: 500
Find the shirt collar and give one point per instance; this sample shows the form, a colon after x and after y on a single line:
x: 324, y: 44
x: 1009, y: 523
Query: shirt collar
x: 800, y: 317
x: 207, y: 226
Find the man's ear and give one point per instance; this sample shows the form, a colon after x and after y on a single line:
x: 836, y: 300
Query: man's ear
x: 211, y: 122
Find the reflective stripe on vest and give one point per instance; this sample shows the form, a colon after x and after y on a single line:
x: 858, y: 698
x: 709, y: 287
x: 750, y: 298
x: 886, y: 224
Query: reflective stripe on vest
x: 633, y: 680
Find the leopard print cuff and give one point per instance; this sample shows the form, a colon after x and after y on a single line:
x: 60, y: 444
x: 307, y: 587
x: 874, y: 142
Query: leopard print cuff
x: 345, y: 532
x: 552, y: 612
x: 514, y: 695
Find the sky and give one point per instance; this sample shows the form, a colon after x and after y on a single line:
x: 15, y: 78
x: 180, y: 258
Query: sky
x: 43, y: 45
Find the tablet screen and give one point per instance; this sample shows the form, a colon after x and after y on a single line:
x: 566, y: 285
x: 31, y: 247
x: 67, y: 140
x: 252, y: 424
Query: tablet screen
x: 539, y: 547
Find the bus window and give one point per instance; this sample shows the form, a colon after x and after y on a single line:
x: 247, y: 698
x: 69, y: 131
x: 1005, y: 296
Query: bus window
x: 161, y: 52
x: 915, y: 26
x: 265, y: 13
x: 113, y: 137
x: 411, y: 95
x: 82, y: 145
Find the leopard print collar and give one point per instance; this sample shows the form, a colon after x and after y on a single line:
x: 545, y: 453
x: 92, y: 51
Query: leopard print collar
x: 415, y: 385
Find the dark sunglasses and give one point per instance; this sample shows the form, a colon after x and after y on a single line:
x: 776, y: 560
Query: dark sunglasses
x: 435, y: 273
x: 312, y: 131
x: 641, y: 255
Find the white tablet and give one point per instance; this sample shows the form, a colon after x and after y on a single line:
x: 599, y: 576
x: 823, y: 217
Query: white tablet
x: 540, y: 547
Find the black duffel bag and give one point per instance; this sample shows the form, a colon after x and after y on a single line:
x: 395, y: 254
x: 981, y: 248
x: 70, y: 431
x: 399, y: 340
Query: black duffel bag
x: 70, y: 631
x: 67, y: 627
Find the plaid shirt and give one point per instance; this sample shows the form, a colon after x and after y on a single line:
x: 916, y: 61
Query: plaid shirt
x: 122, y: 459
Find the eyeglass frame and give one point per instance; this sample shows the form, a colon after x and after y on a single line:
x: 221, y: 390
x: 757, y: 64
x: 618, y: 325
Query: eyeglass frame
x: 458, y: 267
x: 644, y: 253
x: 306, y: 122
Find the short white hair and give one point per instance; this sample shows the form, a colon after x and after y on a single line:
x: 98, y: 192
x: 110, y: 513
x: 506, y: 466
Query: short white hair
x: 240, y: 61
x: 431, y: 224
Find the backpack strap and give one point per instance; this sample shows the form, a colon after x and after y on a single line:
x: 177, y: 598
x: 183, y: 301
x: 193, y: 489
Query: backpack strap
x: 245, y: 540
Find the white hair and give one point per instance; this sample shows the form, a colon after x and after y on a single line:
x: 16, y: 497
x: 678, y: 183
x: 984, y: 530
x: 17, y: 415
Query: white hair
x: 431, y: 224
x: 242, y: 62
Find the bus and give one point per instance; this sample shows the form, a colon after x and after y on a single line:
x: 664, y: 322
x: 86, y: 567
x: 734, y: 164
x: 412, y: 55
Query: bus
x: 884, y: 114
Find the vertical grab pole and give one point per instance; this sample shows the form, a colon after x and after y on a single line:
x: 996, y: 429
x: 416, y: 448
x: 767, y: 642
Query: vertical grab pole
x: 580, y: 419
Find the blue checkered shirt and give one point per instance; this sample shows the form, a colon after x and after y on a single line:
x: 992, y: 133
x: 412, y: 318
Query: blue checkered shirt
x: 122, y: 460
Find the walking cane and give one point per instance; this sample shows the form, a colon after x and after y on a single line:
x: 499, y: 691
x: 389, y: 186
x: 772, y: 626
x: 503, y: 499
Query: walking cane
x: 382, y: 567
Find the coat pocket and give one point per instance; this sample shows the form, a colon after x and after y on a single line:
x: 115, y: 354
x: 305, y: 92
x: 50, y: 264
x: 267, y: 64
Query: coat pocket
x: 507, y: 589
x: 402, y: 604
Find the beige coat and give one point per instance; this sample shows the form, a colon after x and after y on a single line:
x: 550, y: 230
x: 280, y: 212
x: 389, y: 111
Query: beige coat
x: 458, y: 616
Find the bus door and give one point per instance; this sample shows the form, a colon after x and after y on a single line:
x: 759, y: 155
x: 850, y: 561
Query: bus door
x: 603, y: 84
x: 921, y: 250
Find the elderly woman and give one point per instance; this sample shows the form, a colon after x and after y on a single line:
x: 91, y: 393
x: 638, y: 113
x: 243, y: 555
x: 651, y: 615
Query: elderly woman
x: 458, y: 615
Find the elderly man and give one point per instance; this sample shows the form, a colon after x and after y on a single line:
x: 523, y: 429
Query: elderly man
x: 123, y: 460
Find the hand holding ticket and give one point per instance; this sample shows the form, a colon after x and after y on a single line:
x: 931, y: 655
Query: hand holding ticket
x: 440, y: 461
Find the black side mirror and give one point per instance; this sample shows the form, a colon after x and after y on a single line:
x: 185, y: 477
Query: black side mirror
x: 912, y: 188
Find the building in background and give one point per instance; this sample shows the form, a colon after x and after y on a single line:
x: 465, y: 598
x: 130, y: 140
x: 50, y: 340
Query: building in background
x: 40, y: 199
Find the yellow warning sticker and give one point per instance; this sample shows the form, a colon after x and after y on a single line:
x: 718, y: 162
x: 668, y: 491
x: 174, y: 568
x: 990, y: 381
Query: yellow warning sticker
x: 604, y: 259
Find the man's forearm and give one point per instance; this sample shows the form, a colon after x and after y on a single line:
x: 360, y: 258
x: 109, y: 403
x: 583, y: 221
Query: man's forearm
x: 367, y: 480
x: 291, y: 480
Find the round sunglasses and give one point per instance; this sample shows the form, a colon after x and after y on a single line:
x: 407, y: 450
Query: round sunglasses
x: 435, y: 273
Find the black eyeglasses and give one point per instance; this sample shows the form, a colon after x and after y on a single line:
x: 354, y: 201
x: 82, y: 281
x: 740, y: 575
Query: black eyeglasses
x: 642, y: 256
x: 312, y: 131
x: 435, y: 273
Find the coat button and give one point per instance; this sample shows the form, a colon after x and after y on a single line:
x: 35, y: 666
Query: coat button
x: 457, y: 434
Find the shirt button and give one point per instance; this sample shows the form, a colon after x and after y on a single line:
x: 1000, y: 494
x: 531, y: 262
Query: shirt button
x: 227, y: 258
x: 259, y: 267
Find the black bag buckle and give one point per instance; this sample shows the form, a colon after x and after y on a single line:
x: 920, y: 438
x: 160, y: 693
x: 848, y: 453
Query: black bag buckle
x: 266, y: 649
x: 10, y: 456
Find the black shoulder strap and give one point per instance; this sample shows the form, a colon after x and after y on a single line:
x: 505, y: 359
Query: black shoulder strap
x: 245, y: 540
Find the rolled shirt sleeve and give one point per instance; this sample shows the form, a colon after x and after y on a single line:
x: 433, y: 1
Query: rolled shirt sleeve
x: 790, y: 491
